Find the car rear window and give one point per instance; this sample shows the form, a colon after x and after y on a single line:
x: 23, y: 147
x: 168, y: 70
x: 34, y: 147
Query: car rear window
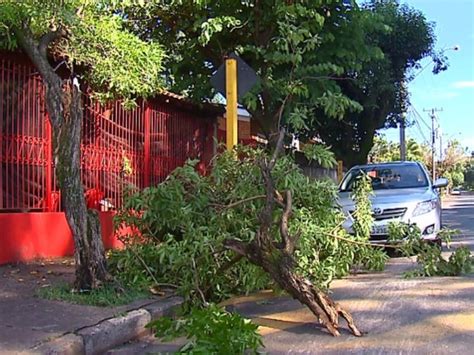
x: 387, y: 177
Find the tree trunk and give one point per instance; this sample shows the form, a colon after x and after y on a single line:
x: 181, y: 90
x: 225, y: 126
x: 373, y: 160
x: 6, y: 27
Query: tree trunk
x: 277, y: 258
x: 89, y: 253
x: 64, y: 105
x: 279, y: 265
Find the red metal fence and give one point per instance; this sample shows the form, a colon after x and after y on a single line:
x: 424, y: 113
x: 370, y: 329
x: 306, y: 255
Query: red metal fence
x: 120, y: 148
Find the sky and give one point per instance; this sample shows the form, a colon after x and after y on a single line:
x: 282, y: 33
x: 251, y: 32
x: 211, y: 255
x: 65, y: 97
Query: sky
x: 452, y: 90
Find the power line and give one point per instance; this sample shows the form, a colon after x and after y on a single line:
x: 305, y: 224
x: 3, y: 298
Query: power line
x: 420, y: 117
x: 416, y: 119
x: 433, y: 138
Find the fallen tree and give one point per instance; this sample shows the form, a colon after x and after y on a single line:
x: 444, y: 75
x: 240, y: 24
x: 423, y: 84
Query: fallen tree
x: 277, y: 259
x: 254, y: 222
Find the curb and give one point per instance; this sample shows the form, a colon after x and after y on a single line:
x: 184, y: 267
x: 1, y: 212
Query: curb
x: 109, y: 333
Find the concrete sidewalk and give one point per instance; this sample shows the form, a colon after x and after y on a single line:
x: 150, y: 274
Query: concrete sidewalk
x: 31, y: 325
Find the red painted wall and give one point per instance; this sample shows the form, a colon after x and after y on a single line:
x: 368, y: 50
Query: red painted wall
x: 29, y: 236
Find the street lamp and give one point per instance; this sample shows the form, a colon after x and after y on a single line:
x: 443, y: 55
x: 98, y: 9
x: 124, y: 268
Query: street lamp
x: 452, y: 48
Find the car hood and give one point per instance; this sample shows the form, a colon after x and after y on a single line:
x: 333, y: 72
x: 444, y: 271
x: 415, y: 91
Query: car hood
x: 390, y: 196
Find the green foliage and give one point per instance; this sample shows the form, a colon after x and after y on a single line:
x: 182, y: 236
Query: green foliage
x: 321, y: 154
x: 454, y: 163
x: 429, y: 255
x: 185, y: 220
x: 384, y: 151
x: 211, y: 330
x: 469, y: 175
x: 363, y: 218
x: 298, y: 48
x: 117, y: 62
x: 404, y: 37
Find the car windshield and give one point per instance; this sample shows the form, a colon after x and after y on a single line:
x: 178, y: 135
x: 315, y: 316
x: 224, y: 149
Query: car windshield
x: 387, y: 177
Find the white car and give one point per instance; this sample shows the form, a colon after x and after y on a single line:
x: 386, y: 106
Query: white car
x: 455, y: 191
x: 403, y: 191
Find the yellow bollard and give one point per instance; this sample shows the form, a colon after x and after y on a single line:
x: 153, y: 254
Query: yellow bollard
x: 231, y: 97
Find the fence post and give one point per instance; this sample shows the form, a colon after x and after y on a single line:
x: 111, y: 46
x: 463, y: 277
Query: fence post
x: 146, y: 145
x: 49, y: 164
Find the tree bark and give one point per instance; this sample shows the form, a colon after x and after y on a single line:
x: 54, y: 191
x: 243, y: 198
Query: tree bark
x: 280, y: 265
x: 64, y: 106
x: 277, y: 258
x: 89, y: 255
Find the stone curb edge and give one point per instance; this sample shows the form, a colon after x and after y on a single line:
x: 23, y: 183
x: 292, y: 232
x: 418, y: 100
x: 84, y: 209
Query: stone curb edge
x: 109, y: 333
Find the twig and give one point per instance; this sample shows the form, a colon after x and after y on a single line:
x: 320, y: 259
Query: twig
x: 230, y: 263
x: 166, y: 285
x: 140, y: 259
x: 396, y: 246
x: 286, y: 239
x: 237, y: 203
x: 196, y: 282
x: 326, y: 77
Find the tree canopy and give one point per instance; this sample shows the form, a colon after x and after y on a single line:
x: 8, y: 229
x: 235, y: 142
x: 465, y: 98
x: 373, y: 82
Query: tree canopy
x: 380, y: 85
x: 86, y: 34
x: 328, y: 68
x: 453, y: 163
x: 299, y: 49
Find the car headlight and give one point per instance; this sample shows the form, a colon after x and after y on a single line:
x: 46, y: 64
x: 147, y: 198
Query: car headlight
x: 424, y: 207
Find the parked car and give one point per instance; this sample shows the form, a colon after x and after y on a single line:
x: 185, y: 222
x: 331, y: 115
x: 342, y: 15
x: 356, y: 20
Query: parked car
x: 455, y: 191
x: 403, y: 191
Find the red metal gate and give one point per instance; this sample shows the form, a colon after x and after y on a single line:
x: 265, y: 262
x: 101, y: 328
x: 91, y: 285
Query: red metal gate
x: 120, y: 148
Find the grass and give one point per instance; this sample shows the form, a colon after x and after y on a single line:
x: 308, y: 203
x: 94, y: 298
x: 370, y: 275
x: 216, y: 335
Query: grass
x: 106, y: 296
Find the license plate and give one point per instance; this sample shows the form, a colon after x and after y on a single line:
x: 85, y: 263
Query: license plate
x: 376, y: 229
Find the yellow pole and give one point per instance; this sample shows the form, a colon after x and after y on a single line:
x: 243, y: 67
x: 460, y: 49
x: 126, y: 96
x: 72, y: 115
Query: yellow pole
x: 231, y: 97
x: 339, y: 170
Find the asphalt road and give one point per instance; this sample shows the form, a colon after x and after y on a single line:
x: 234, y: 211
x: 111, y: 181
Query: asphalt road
x: 397, y: 315
x: 458, y: 213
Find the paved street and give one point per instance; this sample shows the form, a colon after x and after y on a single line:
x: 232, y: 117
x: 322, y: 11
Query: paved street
x: 431, y: 315
x: 458, y: 213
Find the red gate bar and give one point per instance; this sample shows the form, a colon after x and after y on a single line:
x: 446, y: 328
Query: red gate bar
x: 120, y: 148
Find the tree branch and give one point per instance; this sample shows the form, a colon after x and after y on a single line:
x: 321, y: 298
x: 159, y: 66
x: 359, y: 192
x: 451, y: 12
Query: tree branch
x: 236, y: 245
x: 52, y: 81
x: 48, y: 38
x: 288, y: 244
x: 276, y: 152
x: 393, y: 246
x: 237, y: 203
x: 327, y: 77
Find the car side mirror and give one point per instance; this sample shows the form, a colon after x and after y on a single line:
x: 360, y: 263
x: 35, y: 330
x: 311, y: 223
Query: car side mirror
x: 439, y: 183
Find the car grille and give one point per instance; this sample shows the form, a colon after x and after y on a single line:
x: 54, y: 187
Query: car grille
x: 388, y: 213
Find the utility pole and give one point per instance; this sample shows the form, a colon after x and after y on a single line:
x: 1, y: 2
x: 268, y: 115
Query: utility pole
x: 403, y: 145
x: 433, y: 139
x: 440, y: 135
